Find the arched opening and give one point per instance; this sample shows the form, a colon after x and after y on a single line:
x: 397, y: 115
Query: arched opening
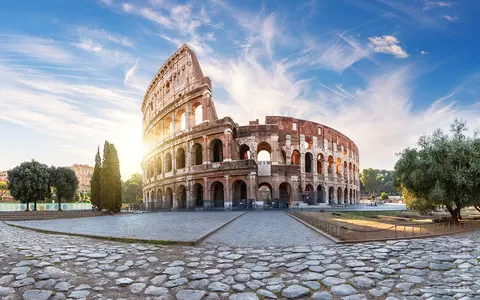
x: 296, y: 157
x: 151, y: 170
x: 180, y: 121
x: 350, y: 171
x: 330, y: 164
x: 181, y: 196
x: 308, y: 162
x: 285, y: 192
x: 198, y: 194
x: 180, y: 163
x: 339, y: 166
x: 168, y: 162
x: 197, y: 154
x: 168, y: 204
x: 244, y: 152
x: 153, y: 201
x: 265, y: 194
x: 320, y: 194
x: 308, y: 143
x: 351, y: 196
x: 320, y: 160
x: 218, y: 194
x: 158, y: 162
x: 354, y: 196
x: 309, y: 194
x: 345, y: 170
x: 159, y: 132
x: 168, y: 128
x: 284, y: 157
x: 339, y: 196
x: 197, y: 114
x: 239, y: 194
x: 331, y: 193
x: 217, y: 150
x: 264, y: 152
x: 345, y: 196
x: 158, y: 205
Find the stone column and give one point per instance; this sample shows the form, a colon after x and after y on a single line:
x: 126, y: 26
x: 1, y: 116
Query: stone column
x: 325, y: 168
x: 207, y: 202
x: 252, y: 186
x: 205, y: 150
x: 335, y: 198
x: 189, y: 198
x: 227, y: 137
x: 227, y: 203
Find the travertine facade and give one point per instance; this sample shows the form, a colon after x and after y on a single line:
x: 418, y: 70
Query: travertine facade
x: 197, y: 160
x: 84, y: 174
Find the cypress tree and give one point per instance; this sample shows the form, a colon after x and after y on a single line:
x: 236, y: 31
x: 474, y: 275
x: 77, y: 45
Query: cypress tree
x: 95, y: 182
x: 111, y: 191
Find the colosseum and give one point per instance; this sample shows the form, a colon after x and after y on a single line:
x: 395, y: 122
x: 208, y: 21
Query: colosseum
x: 196, y: 160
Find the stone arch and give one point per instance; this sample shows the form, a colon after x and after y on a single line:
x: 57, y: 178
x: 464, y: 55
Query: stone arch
x: 345, y: 170
x: 285, y: 192
x: 218, y: 194
x: 198, y: 194
x: 197, y: 114
x: 180, y: 159
x: 308, y: 162
x: 264, y: 152
x: 197, y: 154
x: 216, y: 147
x: 351, y: 196
x: 239, y: 188
x: 168, y: 204
x: 345, y: 196
x: 284, y: 157
x: 320, y: 160
x: 158, y: 164
x: 339, y: 165
x: 159, y: 201
x: 295, y: 157
x: 320, y: 194
x: 331, y: 193
x: 168, y: 128
x: 244, y: 152
x: 181, y: 197
x: 265, y: 193
x: 330, y: 164
x: 310, y: 191
x: 180, y: 120
x: 339, y: 195
x: 308, y: 143
x: 168, y: 162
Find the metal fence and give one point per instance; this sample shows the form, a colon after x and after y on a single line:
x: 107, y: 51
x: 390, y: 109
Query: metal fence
x: 392, y: 232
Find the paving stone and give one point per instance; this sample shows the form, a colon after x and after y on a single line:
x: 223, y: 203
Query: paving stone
x: 243, y: 296
x: 218, y: 287
x: 331, y: 281
x: 322, y: 296
x: 190, y: 295
x: 137, y: 287
x: 266, y: 294
x: 36, y: 295
x: 295, y: 291
x: 343, y: 290
x: 155, y: 290
x: 79, y: 294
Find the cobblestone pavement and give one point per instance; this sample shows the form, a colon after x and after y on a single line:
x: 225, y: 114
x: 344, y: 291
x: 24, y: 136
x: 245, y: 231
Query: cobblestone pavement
x: 41, y: 266
x: 166, y: 226
x: 265, y: 229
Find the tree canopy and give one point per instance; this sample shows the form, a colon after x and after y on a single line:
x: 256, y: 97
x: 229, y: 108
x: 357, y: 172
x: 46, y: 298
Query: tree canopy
x: 29, y: 181
x: 443, y: 171
x: 95, y: 182
x: 132, y: 189
x: 3, y: 189
x: 375, y: 180
x: 65, y: 182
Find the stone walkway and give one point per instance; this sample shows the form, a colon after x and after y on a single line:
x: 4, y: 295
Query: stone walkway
x: 266, y: 229
x: 42, y: 266
x: 164, y: 226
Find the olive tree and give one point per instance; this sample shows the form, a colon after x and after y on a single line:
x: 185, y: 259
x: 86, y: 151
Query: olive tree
x: 443, y: 171
x: 65, y: 182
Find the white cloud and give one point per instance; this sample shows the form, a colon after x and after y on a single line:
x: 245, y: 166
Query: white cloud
x: 46, y: 50
x: 387, y: 44
x: 435, y: 4
x: 423, y: 52
x: 450, y: 18
x: 89, y: 46
x: 104, y: 36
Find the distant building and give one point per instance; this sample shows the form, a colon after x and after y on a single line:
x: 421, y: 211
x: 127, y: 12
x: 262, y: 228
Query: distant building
x: 3, y: 176
x: 84, y: 174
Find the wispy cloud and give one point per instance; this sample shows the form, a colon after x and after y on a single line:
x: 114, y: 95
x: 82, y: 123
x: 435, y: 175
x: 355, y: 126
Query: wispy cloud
x: 89, y: 46
x: 450, y: 18
x: 387, y: 44
x: 436, y: 4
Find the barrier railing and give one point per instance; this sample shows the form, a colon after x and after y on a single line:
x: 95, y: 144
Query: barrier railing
x: 399, y: 231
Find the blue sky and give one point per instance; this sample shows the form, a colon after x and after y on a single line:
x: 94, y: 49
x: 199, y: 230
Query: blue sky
x: 73, y: 73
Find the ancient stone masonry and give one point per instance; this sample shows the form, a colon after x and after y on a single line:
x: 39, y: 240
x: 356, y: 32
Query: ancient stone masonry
x: 196, y: 160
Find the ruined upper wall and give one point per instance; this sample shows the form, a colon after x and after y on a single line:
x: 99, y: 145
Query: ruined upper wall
x: 180, y: 74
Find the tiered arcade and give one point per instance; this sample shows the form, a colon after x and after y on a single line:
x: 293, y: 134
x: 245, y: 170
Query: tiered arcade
x: 196, y: 160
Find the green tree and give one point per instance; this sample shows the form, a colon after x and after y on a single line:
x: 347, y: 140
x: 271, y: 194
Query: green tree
x: 29, y: 182
x: 65, y: 182
x: 111, y: 181
x: 96, y: 182
x: 383, y: 196
x: 369, y: 180
x: 3, y: 189
x: 132, y: 189
x: 443, y: 171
